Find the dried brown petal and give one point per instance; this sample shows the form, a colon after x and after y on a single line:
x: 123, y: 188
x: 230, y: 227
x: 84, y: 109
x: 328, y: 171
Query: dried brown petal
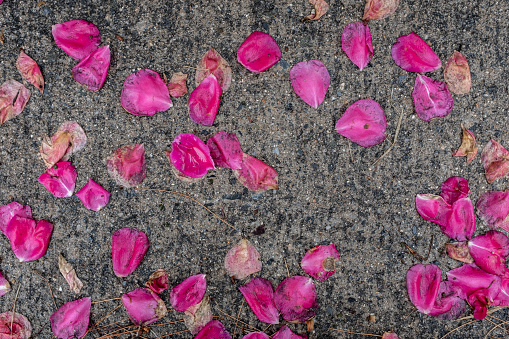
x: 13, y: 99
x: 457, y: 74
x: 197, y: 316
x: 320, y: 8
x: 379, y: 9
x: 468, y: 147
x: 459, y: 251
x: 213, y: 63
x: 177, y: 85
x: 69, y: 274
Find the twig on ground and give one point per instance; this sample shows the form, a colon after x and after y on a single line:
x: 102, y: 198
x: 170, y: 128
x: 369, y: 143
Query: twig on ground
x: 238, y: 316
x: 345, y: 331
x: 287, y: 270
x: 13, y: 309
x: 50, y: 291
x: 457, y: 328
x: 240, y: 321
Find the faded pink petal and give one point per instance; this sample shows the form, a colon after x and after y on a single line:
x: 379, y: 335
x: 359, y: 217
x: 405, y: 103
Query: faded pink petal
x: 256, y: 335
x: 13, y: 99
x: 68, y: 139
x: 7, y: 212
x: 469, y: 278
x: 286, y: 333
x: 158, y: 281
x: 480, y: 301
x: 320, y: 7
x: 69, y: 274
x: 256, y: 175
x: 356, y: 43
x: 493, y: 209
x: 495, y: 159
x: 30, y: 71
x: 259, y: 295
x: 4, y: 286
x: 258, y: 52
x: 198, y: 316
x: 363, y: 122
x: 225, y: 150
x: 489, y: 251
x: 129, y: 246
x: 454, y: 188
x: 431, y: 97
x: 295, y: 298
x: 468, y: 147
x: 71, y: 320
x: 448, y: 304
x: 320, y: 261
x: 93, y: 196
x: 188, y: 293
x: 213, y: 63
x: 457, y: 74
x: 60, y: 181
x: 178, y: 84
x: 143, y: 306
x: 214, y: 329
x: 145, y: 93
x: 242, y: 260
x: 77, y: 38
x: 29, y: 239
x: 413, y: 54
x: 92, y: 70
x: 127, y: 165
x: 389, y: 335
x: 190, y: 156
x: 310, y: 81
x: 20, y: 329
x: 423, y: 282
x: 459, y: 251
x: 379, y: 9
x: 204, y: 101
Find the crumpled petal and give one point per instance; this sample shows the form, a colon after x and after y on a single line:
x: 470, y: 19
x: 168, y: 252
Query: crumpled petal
x: 448, y: 304
x: 7, y: 212
x: 363, y: 122
x: 453, y: 189
x: 286, y: 333
x: 68, y: 139
x: 502, y: 298
x: 489, y: 251
x: 93, y: 196
x: 127, y: 165
x: 204, y: 101
x: 242, y: 260
x: 495, y: 159
x: 69, y: 274
x: 357, y: 44
x: 225, y: 150
x: 214, y: 329
x: 4, y: 286
x: 145, y: 93
x: 310, y: 81
x: 190, y: 156
x: 178, y: 84
x: 71, y: 319
x: 413, y: 54
x: 457, y: 74
x: 459, y: 251
x: 29, y: 239
x: 198, y: 316
x: 77, y: 38
x: 256, y: 175
x: 258, y: 52
x: 295, y: 298
x: 493, y: 209
x: 158, y: 281
x: 143, y: 306
x: 188, y: 293
x: 423, y: 282
x: 480, y: 301
x: 259, y: 295
x: 319, y: 262
x: 379, y: 9
x: 21, y: 327
x: 213, y: 63
x: 30, y: 71
x: 320, y: 7
x: 256, y: 335
x: 469, y: 278
x: 60, y: 181
x: 13, y: 99
x: 468, y: 147
x: 129, y: 246
x: 432, y: 98
x: 92, y: 70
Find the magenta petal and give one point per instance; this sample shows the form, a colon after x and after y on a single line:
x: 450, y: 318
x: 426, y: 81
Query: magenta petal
x: 413, y: 54
x: 310, y: 81
x: 242, y: 260
x: 495, y: 159
x: 93, y: 196
x: 13, y: 99
x: 258, y: 52
x: 129, y: 246
x: 448, y: 304
x: 256, y: 175
x: 454, y: 188
x: 286, y: 333
x: 188, y: 293
x: 77, y: 38
x: 492, y: 208
x: 431, y: 97
x: 145, y: 93
x: 20, y: 328
x: 259, y: 295
x: 190, y: 156
x: 4, y: 285
x: 7, y: 212
x: 29, y: 239
x: 214, y: 329
x: 158, y: 281
x: 469, y: 278
x: 30, y: 71
x: 127, y: 165
x: 433, y: 208
x: 143, y: 306
x: 71, y: 319
x: 256, y: 335
x: 363, y: 122
x: 60, y: 181
x: 423, y: 282
x: 92, y: 70
x: 489, y: 251
x: 356, y: 43
x: 319, y: 262
x: 225, y: 150
x: 480, y: 301
x: 204, y: 101
x: 502, y: 298
x: 295, y: 298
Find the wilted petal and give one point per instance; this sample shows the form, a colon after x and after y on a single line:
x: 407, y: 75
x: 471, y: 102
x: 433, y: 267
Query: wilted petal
x: 7, y: 212
x: 188, y: 293
x: 379, y: 9
x: 295, y: 298
x: 453, y: 189
x: 225, y: 150
x: 29, y: 239
x: 4, y: 286
x: 423, y: 282
x: 127, y: 165
x: 256, y: 175
x: 158, y: 281
x: 30, y: 71
x: 431, y: 97
x: 259, y: 295
x: 457, y: 74
x: 143, y: 306
x: 20, y: 329
x: 71, y: 320
x: 129, y: 246
x: 258, y: 52
x: 461, y: 223
x: 286, y: 333
x: 93, y: 196
x: 198, y: 316
x: 204, y: 101
x: 320, y: 7
x: 413, y: 54
x: 468, y: 146
x: 448, y: 304
x: 459, y: 251
x: 242, y: 260
x: 60, y: 181
x: 495, y: 159
x: 214, y: 329
x: 356, y: 43
x: 310, y: 81
x: 493, y: 209
x: 77, y: 38
x: 68, y: 139
x: 319, y: 262
x: 92, y: 70
x: 469, y: 278
x: 178, y: 84
x: 363, y: 122
x: 69, y: 274
x: 190, y: 156
x: 480, y: 301
x: 256, y: 335
x: 13, y: 99
x: 389, y: 335
x: 145, y: 93
x: 489, y: 251
x: 213, y: 63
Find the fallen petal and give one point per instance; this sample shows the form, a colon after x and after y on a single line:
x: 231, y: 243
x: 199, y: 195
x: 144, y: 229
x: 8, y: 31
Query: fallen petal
x: 310, y: 81
x: 502, y: 298
x: 431, y: 97
x: 469, y: 278
x: 256, y: 335
x: 60, y: 181
x: 454, y: 188
x: 286, y: 333
x: 129, y: 246
x: 7, y: 212
x: 77, y: 38
x: 127, y: 165
x: 71, y: 320
x: 68, y: 139
x: 389, y: 335
x: 413, y: 54
x: 258, y: 52
x: 188, y: 293
x: 204, y: 101
x: 480, y: 301
x: 214, y: 329
x: 448, y: 304
x: 93, y: 196
x: 178, y: 84
x: 379, y: 9
x: 356, y: 43
x: 29, y: 239
x: 4, y: 286
x: 495, y: 159
x: 242, y: 260
x: 457, y: 74
x: 92, y: 70
x: 295, y: 298
x: 489, y: 251
x: 213, y: 63
x: 69, y: 274
x: 198, y: 316
x: 20, y: 329
x: 13, y: 99
x: 158, y: 281
x: 468, y: 146
x: 320, y: 261
x: 256, y: 175
x: 190, y: 156
x: 259, y: 295
x: 143, y: 306
x: 30, y: 71
x: 225, y: 150
x: 423, y: 282
x: 320, y: 7
x: 459, y: 251
x: 493, y: 209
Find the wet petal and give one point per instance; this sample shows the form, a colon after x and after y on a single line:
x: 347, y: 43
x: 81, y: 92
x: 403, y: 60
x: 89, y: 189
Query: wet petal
x: 495, y: 159
x: 295, y: 298
x: 4, y: 286
x: 413, y: 54
x: 143, y: 306
x: 92, y: 70
x: 379, y: 9
x: 214, y: 329
x: 129, y: 246
x: 454, y: 188
x: 7, y: 212
x: 448, y: 304
x: 158, y: 281
x: 457, y: 74
x: 468, y: 146
x: 30, y: 71
x: 188, y: 293
x: 29, y: 239
x: 286, y: 333
x: 127, y: 165
x: 459, y: 251
x: 320, y: 7
x: 77, y: 38
x: 198, y: 316
x: 242, y: 260
x: 356, y: 43
x: 432, y: 99
x: 69, y: 274
x: 213, y: 63
x: 469, y: 278
x: 423, y: 282
x: 259, y: 295
x: 178, y: 84
x: 68, y: 139
x: 93, y: 196
x: 204, y: 101
x: 319, y: 262
x: 190, y: 156
x: 489, y: 251
x: 21, y: 328
x: 493, y: 209
x: 225, y: 150
x: 310, y: 81
x: 60, y: 181
x: 13, y: 99
x: 258, y: 52
x: 256, y: 175
x: 71, y: 320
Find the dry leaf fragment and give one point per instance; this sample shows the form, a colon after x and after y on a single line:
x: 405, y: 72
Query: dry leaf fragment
x: 379, y: 9
x: 468, y: 147
x: 320, y: 8
x: 457, y: 74
x: 13, y: 99
x: 30, y: 71
x: 69, y: 274
x: 213, y: 63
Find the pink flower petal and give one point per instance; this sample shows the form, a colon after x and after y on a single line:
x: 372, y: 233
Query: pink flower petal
x: 92, y: 70
x: 457, y: 74
x: 356, y: 43
x: 190, y: 156
x: 145, y: 93
x: 286, y: 333
x: 413, y: 54
x: 29, y: 239
x: 214, y: 329
x: 71, y: 320
x: 7, y: 212
x: 213, y: 63
x: 129, y: 246
x: 320, y: 7
x: 68, y: 139
x: 204, y: 101
x: 379, y: 9
x: 143, y: 306
x: 390, y: 335
x: 13, y: 99
x: 493, y: 209
x: 30, y: 71
x: 310, y: 81
x: 459, y: 251
x: 188, y: 293
x: 423, y: 282
x: 319, y: 262
x: 480, y: 301
x: 158, y: 281
x: 363, y: 122
x: 448, y: 304
x: 4, y: 286
x: 77, y: 38
x: 225, y: 150
x: 198, y: 316
x: 295, y: 298
x: 60, y: 181
x: 469, y: 278
x: 20, y: 329
x: 432, y: 99
x: 489, y: 251
x: 495, y: 159
x: 178, y: 84
x: 454, y: 188
x: 256, y: 335
x: 258, y: 52
x: 256, y: 175
x: 502, y: 298
x: 259, y: 295
x: 93, y: 196
x: 242, y: 260
x: 468, y: 146
x: 127, y: 165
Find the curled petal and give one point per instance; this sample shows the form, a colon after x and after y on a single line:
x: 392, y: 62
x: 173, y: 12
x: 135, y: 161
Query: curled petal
x: 319, y: 262
x: 242, y: 260
x: 357, y: 44
x: 204, y: 101
x: 469, y: 278
x: 7, y: 212
x: 29, y: 239
x: 448, y: 304
x: 20, y: 329
x: 158, y: 281
x: 127, y: 165
x: 198, y: 316
x: 92, y: 70
x: 310, y: 81
x: 459, y: 251
x: 68, y: 139
x: 188, y: 293
x: 320, y: 7
x: 93, y: 196
x: 256, y: 175
x: 495, y: 159
x: 493, y: 209
x: 379, y: 9
x: 213, y: 63
x: 143, y: 306
x: 413, y: 54
x: 432, y: 98
x: 60, y: 181
x: 489, y: 251
x: 295, y: 298
x: 480, y: 301
x: 468, y: 147
x: 225, y: 150
x: 190, y: 156
x: 286, y: 333
x: 178, y: 84
x: 214, y: 329
x: 129, y: 246
x: 77, y: 38
x: 30, y: 71
x: 423, y: 282
x: 258, y: 52
x: 454, y: 188
x: 259, y: 295
x: 13, y: 99
x: 4, y: 285
x: 502, y: 298
x: 457, y: 74
x: 69, y: 274
x: 71, y: 320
